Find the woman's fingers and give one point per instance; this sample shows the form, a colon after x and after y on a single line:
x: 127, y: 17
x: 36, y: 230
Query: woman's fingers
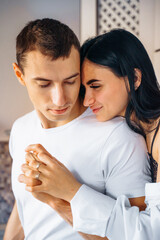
x: 56, y: 179
x: 38, y: 152
x: 37, y: 148
x: 28, y: 181
x: 34, y: 188
x: 49, y: 161
x: 31, y: 173
x: 29, y: 157
x: 35, y: 163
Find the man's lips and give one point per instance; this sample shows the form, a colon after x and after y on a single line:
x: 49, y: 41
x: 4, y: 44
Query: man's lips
x: 95, y: 109
x: 59, y: 111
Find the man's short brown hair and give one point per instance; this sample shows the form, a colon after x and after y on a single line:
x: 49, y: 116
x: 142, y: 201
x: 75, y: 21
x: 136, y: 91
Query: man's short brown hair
x: 51, y: 37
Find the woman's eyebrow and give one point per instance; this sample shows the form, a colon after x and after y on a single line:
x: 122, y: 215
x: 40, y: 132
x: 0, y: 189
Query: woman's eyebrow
x: 92, y: 81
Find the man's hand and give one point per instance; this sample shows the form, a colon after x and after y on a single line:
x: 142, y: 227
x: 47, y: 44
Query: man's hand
x: 53, y: 177
x: 62, y: 207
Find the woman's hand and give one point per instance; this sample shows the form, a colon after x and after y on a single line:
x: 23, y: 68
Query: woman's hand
x: 50, y: 176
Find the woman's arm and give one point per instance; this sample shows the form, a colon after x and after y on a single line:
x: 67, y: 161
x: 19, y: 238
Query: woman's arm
x: 123, y: 221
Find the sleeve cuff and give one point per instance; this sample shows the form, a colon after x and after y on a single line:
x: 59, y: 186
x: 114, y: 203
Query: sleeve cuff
x: 152, y: 193
x: 91, y: 211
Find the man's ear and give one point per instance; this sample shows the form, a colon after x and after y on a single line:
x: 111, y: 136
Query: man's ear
x: 138, y: 78
x: 18, y: 73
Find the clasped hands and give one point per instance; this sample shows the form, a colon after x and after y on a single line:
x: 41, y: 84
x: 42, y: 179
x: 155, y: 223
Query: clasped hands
x: 45, y: 175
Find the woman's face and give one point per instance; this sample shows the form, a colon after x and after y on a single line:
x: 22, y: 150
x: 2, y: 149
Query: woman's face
x: 106, y: 94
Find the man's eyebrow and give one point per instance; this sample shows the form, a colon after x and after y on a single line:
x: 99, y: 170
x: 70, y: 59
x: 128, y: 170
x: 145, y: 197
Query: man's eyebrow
x: 45, y: 79
x: 72, y: 76
x: 92, y: 81
x: 41, y: 79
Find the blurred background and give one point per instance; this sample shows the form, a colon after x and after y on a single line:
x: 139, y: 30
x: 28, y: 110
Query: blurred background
x: 87, y: 18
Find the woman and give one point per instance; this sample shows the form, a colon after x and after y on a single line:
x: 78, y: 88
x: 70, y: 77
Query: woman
x: 114, y: 62
x: 124, y: 55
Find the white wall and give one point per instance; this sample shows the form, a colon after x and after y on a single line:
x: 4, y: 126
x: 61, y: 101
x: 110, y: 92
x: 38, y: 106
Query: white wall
x: 14, y: 14
x: 157, y: 39
x: 88, y: 19
x: 149, y: 26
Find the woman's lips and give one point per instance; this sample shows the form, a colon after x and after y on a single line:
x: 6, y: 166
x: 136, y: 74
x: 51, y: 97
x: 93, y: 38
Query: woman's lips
x: 96, y: 110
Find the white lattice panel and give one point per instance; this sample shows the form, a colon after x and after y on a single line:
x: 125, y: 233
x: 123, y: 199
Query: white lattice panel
x: 118, y: 14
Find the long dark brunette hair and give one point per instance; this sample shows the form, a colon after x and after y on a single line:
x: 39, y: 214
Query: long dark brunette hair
x: 122, y: 52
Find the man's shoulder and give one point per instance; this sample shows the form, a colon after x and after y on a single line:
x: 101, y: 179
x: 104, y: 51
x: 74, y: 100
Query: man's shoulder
x: 24, y: 121
x: 90, y: 120
x: 22, y: 128
x: 116, y: 127
x: 111, y: 125
x: 122, y: 129
x: 123, y: 137
x: 117, y: 130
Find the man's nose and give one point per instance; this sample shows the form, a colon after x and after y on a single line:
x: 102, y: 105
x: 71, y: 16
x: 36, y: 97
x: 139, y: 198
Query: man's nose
x: 88, y: 99
x: 58, y: 96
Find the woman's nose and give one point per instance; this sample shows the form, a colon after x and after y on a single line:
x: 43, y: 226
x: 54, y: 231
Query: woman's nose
x: 88, y: 99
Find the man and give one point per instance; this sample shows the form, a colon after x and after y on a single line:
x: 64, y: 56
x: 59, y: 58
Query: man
x: 48, y: 65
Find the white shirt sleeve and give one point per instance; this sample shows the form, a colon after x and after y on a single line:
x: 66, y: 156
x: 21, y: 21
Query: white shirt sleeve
x: 97, y: 214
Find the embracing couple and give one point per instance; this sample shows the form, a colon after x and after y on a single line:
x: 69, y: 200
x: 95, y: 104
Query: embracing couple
x: 84, y: 161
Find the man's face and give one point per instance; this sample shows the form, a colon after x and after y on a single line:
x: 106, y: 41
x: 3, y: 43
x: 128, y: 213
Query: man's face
x: 53, y: 86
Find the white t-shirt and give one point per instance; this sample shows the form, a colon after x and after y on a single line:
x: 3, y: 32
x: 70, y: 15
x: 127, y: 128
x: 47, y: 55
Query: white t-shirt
x: 107, y: 156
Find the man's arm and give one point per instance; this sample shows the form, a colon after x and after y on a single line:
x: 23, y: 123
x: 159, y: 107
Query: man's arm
x: 14, y: 230
x: 63, y: 208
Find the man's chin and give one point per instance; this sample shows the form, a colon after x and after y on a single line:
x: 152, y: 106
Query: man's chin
x: 49, y: 120
x: 58, y: 117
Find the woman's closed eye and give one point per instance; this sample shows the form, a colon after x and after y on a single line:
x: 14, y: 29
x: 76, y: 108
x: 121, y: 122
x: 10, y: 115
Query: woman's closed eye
x: 94, y: 86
